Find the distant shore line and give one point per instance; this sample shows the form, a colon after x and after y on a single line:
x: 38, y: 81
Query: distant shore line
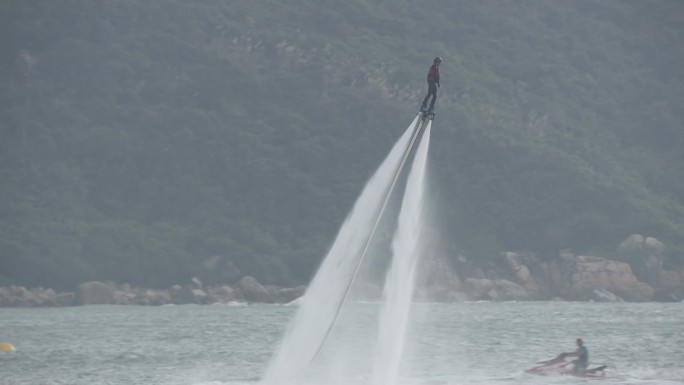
x: 514, y: 276
x: 247, y: 290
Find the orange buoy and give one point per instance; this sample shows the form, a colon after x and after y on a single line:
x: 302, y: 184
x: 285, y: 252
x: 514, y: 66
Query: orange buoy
x: 7, y: 347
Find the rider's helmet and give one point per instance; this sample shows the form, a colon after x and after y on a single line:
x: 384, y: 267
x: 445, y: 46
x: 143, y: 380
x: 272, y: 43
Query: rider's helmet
x: 438, y: 59
x: 579, y: 341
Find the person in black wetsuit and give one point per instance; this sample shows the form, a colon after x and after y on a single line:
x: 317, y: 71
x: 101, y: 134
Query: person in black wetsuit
x: 433, y: 84
x: 582, y: 361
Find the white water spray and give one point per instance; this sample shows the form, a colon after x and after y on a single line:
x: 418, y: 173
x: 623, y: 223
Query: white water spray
x: 399, y: 284
x: 320, y: 306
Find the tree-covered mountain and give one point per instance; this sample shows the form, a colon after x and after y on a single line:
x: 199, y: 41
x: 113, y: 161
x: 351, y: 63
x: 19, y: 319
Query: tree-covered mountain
x: 139, y: 138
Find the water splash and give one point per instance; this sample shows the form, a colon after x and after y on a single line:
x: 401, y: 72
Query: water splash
x: 399, y: 284
x: 320, y: 306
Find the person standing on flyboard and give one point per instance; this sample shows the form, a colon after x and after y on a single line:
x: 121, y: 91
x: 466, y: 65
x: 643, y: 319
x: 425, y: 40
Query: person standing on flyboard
x: 433, y: 84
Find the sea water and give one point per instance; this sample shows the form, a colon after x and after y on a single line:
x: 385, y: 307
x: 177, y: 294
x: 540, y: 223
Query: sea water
x: 446, y: 344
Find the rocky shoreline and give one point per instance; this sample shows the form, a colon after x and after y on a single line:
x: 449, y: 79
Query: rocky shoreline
x: 247, y: 290
x: 514, y: 277
x: 519, y: 276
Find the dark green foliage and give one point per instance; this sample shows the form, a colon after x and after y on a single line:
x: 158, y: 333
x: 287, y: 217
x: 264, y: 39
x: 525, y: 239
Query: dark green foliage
x: 139, y: 138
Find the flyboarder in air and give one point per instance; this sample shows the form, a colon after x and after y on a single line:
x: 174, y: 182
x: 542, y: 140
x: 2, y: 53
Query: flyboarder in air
x: 433, y: 84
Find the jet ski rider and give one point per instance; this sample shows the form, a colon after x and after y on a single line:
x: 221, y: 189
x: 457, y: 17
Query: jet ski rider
x: 582, y: 361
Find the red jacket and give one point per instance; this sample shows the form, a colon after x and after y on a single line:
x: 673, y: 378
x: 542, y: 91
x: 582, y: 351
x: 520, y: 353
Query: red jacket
x: 433, y: 73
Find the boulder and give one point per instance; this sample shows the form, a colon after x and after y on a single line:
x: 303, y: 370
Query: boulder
x: 456, y: 296
x: 225, y: 294
x: 19, y: 296
x: 478, y: 288
x: 602, y: 295
x: 65, y: 299
x: 200, y: 296
x: 287, y: 295
x: 669, y: 295
x: 653, y: 246
x: 4, y: 296
x: 47, y: 297
x: 557, y: 278
x: 510, y: 291
x: 197, y: 283
x: 590, y: 273
x: 633, y: 244
x: 645, y: 255
x: 671, y: 279
x: 520, y: 274
x: 125, y: 296
x: 649, y: 269
x: 157, y: 297
x: 181, y: 295
x: 94, y: 293
x: 273, y: 292
x: 253, y: 290
x: 494, y: 290
x: 639, y: 292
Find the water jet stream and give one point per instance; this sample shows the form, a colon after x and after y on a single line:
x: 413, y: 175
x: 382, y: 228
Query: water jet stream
x: 330, y: 287
x: 399, y: 284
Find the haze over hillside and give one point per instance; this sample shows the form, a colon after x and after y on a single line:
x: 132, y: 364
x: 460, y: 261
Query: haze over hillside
x: 140, y: 138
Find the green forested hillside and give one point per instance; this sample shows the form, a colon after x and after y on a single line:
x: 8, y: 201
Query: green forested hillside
x: 139, y: 138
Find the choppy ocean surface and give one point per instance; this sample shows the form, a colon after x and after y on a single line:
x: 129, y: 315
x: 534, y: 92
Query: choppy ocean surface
x: 448, y: 344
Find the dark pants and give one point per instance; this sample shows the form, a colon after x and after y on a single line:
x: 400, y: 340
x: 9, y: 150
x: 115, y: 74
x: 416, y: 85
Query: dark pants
x: 432, y: 91
x: 579, y: 368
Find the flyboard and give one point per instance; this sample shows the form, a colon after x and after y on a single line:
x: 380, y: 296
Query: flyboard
x: 427, y: 113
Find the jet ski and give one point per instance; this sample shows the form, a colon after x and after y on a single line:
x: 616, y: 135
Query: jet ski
x: 560, y: 367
